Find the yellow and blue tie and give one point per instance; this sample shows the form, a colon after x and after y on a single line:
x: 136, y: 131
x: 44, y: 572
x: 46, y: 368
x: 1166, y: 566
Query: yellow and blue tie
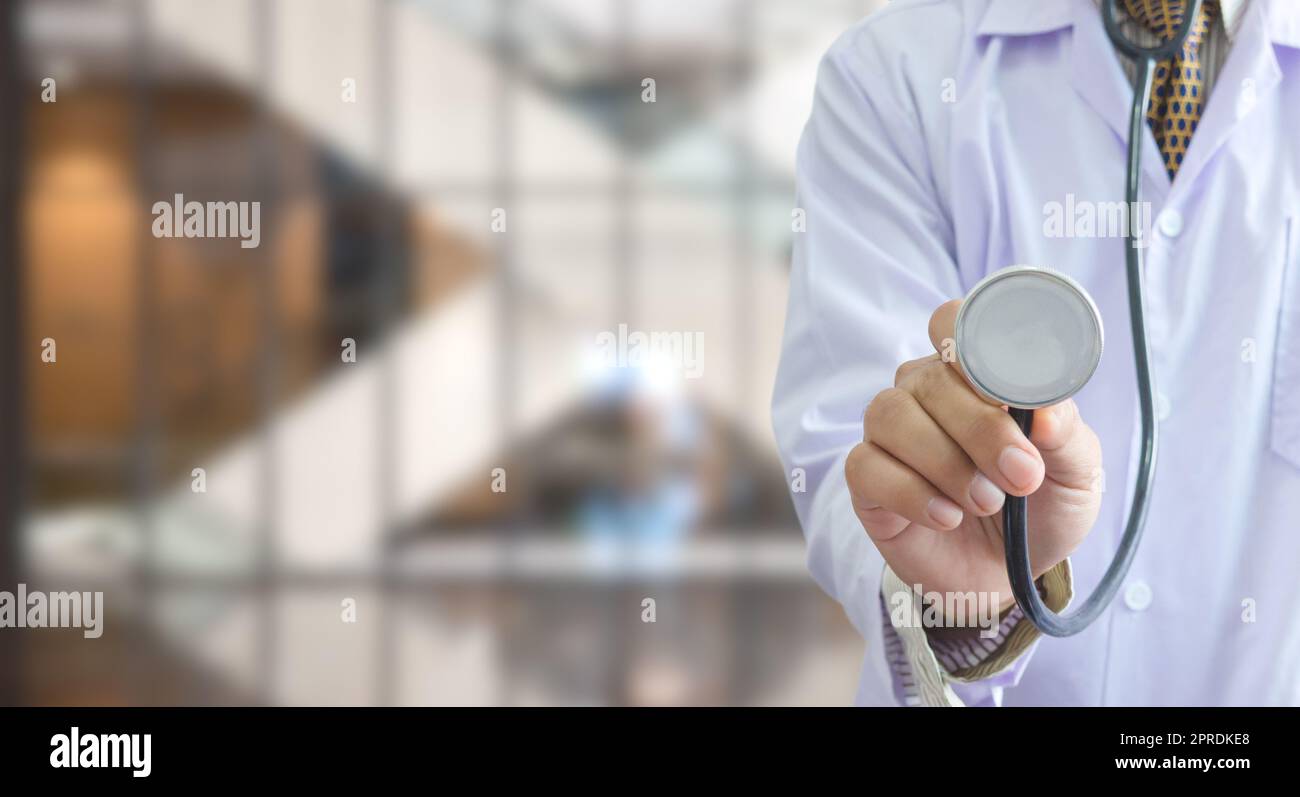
x: 1177, y: 90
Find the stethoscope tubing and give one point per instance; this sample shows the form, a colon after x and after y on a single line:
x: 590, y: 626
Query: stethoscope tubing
x: 1159, y: 52
x: 1015, y: 515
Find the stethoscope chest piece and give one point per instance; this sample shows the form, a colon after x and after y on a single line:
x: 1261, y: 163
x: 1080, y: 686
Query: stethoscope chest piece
x: 1028, y: 337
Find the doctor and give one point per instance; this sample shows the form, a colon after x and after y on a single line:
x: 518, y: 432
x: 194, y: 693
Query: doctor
x: 948, y: 138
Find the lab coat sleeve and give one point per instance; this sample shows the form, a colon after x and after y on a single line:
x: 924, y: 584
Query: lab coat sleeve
x: 961, y: 667
x: 876, y: 258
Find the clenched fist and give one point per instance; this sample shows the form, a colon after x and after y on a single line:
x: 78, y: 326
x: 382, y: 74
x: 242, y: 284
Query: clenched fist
x: 937, y: 461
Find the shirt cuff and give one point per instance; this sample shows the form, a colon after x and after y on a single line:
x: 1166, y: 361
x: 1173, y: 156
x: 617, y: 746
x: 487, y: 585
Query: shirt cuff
x: 966, y: 666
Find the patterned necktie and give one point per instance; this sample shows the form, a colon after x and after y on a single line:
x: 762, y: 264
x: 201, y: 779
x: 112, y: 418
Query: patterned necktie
x: 1177, y: 91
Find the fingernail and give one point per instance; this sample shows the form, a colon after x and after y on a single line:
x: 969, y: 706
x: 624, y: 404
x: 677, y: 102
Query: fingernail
x: 943, y: 512
x: 1017, y: 466
x: 986, y: 494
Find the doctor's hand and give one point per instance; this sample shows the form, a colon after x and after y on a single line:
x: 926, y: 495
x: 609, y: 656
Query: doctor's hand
x: 937, y: 461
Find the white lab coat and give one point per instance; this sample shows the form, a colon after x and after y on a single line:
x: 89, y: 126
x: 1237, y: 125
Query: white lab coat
x: 944, y: 135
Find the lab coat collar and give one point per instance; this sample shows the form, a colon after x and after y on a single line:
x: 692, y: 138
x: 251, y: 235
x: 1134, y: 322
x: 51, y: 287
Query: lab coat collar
x: 1283, y: 21
x: 1095, y: 67
x: 1099, y: 79
x: 1250, y: 73
x: 1098, y: 76
x: 1018, y: 18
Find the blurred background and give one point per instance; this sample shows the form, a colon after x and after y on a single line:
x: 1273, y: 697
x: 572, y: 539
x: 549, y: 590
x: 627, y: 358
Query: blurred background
x: 476, y: 194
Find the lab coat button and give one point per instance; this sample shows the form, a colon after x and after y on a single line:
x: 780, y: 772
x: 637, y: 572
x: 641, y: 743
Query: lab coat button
x: 1171, y: 223
x: 1137, y: 596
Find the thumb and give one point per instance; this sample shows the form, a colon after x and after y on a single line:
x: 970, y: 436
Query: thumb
x: 1070, y: 449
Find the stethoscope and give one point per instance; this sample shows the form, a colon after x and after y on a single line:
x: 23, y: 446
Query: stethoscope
x: 1030, y: 337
